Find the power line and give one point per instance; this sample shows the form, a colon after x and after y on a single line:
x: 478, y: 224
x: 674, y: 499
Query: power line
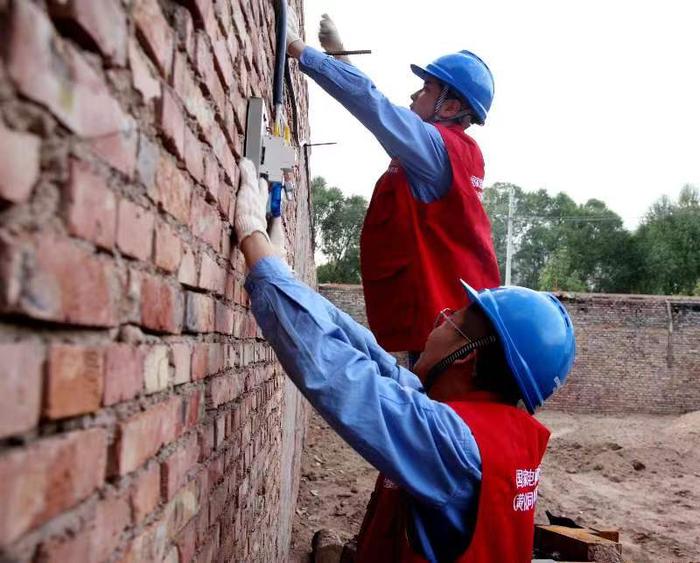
x: 581, y: 218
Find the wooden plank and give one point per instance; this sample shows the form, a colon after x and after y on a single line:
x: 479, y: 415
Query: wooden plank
x: 576, y: 544
x: 612, y: 535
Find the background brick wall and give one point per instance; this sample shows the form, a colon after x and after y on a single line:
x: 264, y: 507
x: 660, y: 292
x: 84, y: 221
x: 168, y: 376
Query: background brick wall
x: 635, y: 354
x: 142, y: 416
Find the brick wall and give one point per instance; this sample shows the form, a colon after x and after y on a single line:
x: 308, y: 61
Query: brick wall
x: 634, y: 353
x: 142, y: 416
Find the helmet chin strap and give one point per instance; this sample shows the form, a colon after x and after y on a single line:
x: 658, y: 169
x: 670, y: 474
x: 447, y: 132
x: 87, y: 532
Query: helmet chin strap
x: 439, y: 368
x: 435, y: 118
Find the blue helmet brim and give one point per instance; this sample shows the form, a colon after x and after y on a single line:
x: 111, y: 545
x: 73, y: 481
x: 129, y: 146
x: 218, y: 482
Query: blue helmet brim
x: 421, y: 72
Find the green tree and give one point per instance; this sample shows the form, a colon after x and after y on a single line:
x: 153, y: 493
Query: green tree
x: 558, y: 242
x: 337, y: 222
x: 558, y: 274
x: 669, y: 243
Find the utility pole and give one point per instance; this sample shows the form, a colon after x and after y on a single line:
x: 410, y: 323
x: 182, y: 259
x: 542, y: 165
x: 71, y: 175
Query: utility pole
x: 509, y: 235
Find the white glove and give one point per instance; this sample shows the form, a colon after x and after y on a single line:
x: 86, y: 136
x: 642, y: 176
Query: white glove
x: 251, y: 203
x: 292, y: 26
x: 328, y: 35
x: 276, y: 232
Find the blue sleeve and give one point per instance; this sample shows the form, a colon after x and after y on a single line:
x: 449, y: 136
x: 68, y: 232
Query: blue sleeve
x: 374, y: 405
x: 418, y: 145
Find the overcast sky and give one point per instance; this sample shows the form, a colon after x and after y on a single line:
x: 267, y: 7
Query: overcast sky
x: 599, y: 99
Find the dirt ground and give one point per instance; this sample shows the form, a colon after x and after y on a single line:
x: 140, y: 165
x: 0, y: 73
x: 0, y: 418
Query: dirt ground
x: 639, y: 474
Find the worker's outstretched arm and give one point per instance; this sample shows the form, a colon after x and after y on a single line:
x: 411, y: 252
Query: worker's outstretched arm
x: 327, y: 355
x: 403, y: 134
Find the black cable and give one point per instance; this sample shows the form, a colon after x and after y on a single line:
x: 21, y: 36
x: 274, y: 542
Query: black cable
x: 280, y: 53
x: 447, y: 361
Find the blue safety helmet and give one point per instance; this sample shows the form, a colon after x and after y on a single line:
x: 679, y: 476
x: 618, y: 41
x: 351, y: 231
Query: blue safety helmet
x: 467, y: 75
x: 536, y: 335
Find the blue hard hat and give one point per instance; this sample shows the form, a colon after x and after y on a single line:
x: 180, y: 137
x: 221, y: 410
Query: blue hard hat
x: 536, y: 334
x: 467, y: 75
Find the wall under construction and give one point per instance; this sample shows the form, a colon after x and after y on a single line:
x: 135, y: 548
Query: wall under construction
x: 142, y: 416
x: 635, y: 354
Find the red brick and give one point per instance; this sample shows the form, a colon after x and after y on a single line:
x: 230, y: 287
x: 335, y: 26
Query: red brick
x: 222, y: 58
x: 189, y: 92
x: 230, y: 128
x: 220, y: 431
x: 216, y: 357
x: 155, y: 33
x: 172, y: 123
x: 19, y: 164
x: 217, y: 502
x: 220, y: 146
x: 112, y: 516
x: 147, y: 165
x: 194, y: 158
x: 118, y: 149
x: 11, y: 272
x: 142, y: 78
x: 51, y: 72
x: 205, y: 66
x: 216, y: 470
x: 145, y: 494
x: 207, y: 359
x: 41, y: 480
x: 98, y: 538
x: 211, y: 175
x: 63, y: 549
x: 135, y: 230
x: 175, y: 468
x: 184, y: 30
x: 240, y: 109
x: 206, y: 439
x: 187, y: 274
x: 231, y: 282
x: 226, y: 234
x: 203, y: 10
x: 225, y: 200
x: 141, y: 436
x: 70, y: 284
x: 102, y: 20
x: 156, y: 369
x: 91, y: 206
x: 149, y: 545
x: 182, y: 508
x: 242, y: 75
x: 182, y: 358
x: 21, y: 375
x: 192, y: 404
x: 211, y: 275
x: 205, y: 222
x: 161, y: 305
x: 185, y: 542
x: 200, y: 361
x: 223, y: 319
x: 199, y: 313
x: 168, y: 249
x: 174, y: 190
x: 124, y: 365
x: 224, y: 389
x: 75, y: 381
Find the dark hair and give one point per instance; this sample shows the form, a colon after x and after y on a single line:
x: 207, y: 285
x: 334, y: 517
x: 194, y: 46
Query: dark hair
x: 492, y: 373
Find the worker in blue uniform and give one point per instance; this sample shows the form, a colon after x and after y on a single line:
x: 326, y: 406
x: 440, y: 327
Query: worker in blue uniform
x: 400, y: 421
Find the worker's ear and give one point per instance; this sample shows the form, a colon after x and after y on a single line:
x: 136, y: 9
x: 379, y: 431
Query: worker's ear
x: 450, y: 108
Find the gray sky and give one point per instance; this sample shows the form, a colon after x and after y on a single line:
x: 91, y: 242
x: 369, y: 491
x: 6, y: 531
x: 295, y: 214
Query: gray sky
x: 599, y: 99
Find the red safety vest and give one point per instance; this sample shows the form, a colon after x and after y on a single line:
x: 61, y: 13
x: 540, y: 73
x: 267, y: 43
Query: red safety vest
x: 412, y: 254
x: 511, y: 443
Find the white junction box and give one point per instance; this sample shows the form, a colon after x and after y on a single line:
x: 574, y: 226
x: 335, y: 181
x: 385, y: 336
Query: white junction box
x: 270, y: 154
